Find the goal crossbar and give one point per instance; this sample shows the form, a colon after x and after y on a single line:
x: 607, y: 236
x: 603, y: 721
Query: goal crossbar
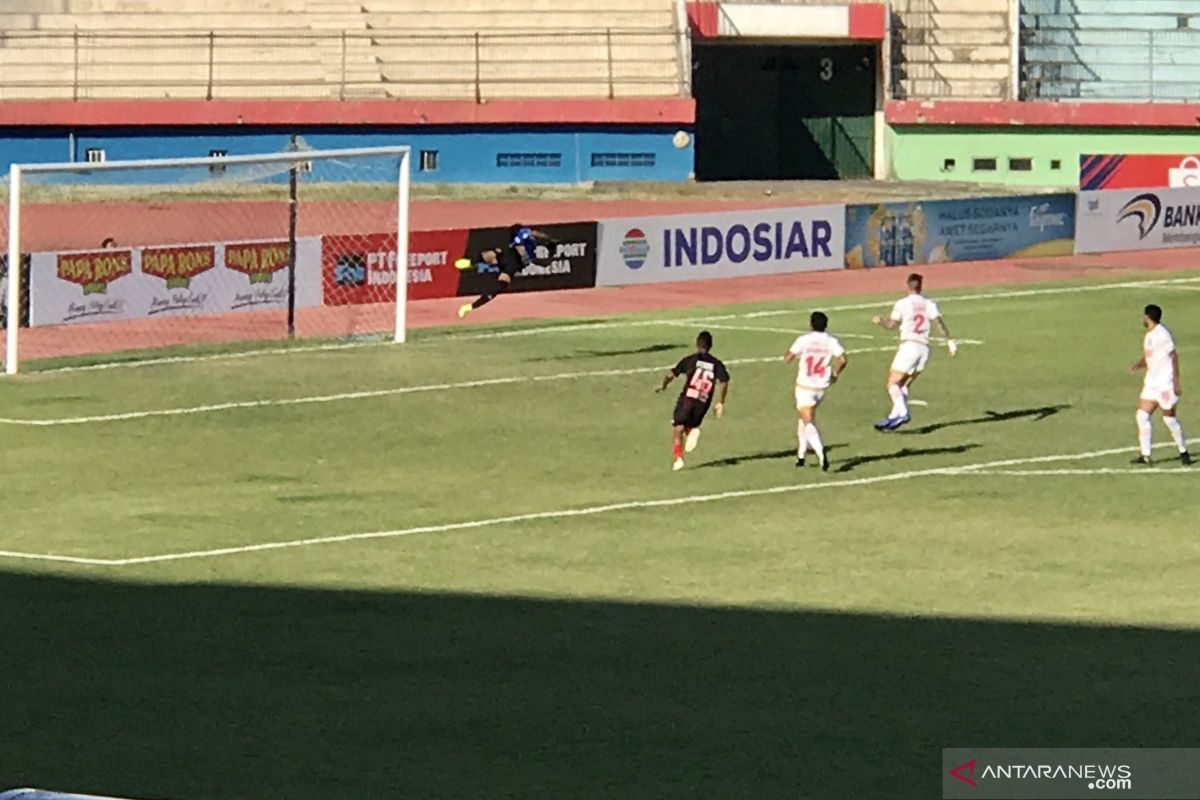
x: 402, y: 153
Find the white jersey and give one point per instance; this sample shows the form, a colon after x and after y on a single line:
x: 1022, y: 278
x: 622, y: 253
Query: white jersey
x: 815, y: 352
x: 915, y: 315
x: 1158, y: 347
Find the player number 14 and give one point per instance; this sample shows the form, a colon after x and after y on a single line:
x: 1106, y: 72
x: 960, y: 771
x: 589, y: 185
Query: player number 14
x: 814, y: 366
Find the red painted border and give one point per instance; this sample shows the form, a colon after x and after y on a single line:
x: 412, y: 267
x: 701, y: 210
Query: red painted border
x: 702, y: 17
x: 868, y: 20
x: 631, y: 111
x: 1041, y: 112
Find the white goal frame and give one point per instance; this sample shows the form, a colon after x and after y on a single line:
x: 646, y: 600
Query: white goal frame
x: 403, y: 182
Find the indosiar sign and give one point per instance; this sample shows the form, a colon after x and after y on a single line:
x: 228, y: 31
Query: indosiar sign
x: 727, y: 244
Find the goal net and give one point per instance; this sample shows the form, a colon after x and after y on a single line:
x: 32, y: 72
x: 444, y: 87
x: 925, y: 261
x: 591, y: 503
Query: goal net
x: 140, y: 260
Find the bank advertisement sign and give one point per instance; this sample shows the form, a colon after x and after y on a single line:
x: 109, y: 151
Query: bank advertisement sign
x: 975, y: 229
x: 1138, y: 219
x: 726, y: 244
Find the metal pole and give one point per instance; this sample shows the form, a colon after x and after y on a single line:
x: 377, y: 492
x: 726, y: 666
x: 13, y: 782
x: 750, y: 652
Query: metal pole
x: 293, y: 187
x: 478, y: 88
x: 212, y: 46
x: 75, y: 66
x: 342, y: 91
x: 1013, y: 90
x: 402, y: 248
x: 608, y: 43
x: 14, y: 269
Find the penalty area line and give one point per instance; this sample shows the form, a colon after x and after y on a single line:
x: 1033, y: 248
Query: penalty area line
x: 980, y: 468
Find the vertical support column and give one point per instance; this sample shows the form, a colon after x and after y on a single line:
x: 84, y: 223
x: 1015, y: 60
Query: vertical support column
x: 402, y: 247
x: 14, y: 269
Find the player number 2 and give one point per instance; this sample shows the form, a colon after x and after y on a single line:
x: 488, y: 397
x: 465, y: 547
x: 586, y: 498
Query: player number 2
x: 918, y: 322
x: 814, y: 366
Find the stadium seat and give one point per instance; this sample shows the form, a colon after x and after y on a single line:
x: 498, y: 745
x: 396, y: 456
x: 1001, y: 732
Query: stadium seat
x: 339, y: 48
x: 952, y: 49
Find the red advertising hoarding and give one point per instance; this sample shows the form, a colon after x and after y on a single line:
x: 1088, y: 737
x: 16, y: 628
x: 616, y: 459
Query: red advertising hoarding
x: 361, y: 268
x: 1138, y: 171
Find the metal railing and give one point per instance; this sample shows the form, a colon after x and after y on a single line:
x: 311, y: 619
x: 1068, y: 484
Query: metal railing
x: 1069, y: 63
x: 340, y: 64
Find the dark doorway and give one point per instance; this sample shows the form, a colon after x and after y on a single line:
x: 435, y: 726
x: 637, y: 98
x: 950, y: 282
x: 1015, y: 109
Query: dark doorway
x: 768, y: 111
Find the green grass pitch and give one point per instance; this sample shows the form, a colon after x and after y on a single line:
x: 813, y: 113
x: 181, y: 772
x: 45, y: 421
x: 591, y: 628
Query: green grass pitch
x: 811, y: 641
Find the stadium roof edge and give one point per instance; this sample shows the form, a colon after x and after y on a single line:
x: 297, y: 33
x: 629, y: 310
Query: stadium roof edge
x: 1043, y: 112
x: 150, y: 112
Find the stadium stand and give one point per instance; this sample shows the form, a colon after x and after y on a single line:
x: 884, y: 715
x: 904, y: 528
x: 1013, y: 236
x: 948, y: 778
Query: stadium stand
x: 1110, y: 49
x: 210, y: 49
x: 952, y: 49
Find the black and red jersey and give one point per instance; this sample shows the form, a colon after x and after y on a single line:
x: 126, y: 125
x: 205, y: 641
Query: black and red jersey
x: 704, y: 371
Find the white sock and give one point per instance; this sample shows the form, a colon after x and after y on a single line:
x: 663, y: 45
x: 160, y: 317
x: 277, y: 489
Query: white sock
x: 1145, y: 434
x: 802, y: 438
x: 814, y: 439
x: 899, y: 402
x: 1176, y: 429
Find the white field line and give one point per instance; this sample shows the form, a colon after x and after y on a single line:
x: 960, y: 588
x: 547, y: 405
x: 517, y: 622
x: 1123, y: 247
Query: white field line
x: 788, y: 331
x: 372, y: 393
x: 587, y: 511
x: 1098, y: 471
x: 806, y: 305
x: 155, y: 362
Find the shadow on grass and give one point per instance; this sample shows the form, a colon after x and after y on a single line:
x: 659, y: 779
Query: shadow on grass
x: 244, y: 693
x: 1037, y: 415
x: 771, y: 455
x: 653, y: 348
x: 907, y: 452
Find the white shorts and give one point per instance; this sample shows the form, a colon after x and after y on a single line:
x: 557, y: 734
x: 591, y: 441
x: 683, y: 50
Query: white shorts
x: 1165, y: 396
x: 808, y: 398
x: 911, y: 358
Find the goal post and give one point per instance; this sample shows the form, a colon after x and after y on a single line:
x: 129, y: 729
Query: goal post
x: 128, y: 260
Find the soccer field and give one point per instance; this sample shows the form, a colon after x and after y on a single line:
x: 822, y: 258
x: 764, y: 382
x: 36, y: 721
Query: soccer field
x: 464, y: 568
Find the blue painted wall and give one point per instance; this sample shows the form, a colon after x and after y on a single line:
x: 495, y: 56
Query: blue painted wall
x: 491, y: 154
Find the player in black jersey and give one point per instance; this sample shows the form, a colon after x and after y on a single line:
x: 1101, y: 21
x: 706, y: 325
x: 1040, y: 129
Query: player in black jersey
x: 706, y: 376
x: 506, y: 262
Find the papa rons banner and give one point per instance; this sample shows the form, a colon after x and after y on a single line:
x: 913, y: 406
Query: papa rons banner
x: 720, y: 245
x: 1131, y: 219
x: 937, y: 231
x: 1138, y: 171
x: 4, y: 290
x: 170, y: 280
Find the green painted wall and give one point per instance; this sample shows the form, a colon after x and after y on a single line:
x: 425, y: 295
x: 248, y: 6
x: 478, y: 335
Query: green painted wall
x: 919, y: 152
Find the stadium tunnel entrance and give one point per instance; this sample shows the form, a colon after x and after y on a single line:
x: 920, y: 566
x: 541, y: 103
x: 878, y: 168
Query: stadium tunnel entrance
x: 784, y: 111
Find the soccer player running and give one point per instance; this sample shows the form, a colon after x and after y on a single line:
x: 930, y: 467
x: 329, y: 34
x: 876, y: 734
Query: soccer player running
x: 706, y: 377
x: 506, y: 262
x: 822, y: 359
x: 1160, y: 389
x: 914, y: 315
